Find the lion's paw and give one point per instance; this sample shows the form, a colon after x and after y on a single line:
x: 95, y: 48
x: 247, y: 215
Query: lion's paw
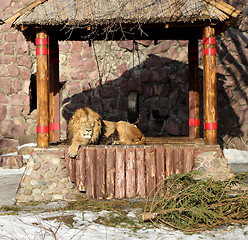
x: 72, y: 152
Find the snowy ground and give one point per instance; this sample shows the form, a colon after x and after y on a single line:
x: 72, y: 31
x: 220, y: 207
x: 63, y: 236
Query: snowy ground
x: 38, y: 225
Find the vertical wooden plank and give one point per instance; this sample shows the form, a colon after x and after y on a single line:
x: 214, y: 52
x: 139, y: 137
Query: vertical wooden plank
x: 160, y: 164
x: 169, y: 159
x: 72, y: 167
x: 150, y: 170
x: 100, y: 173
x: 90, y: 172
x: 81, y: 170
x: 210, y: 86
x: 120, y: 173
x: 194, y: 120
x: 188, y: 155
x: 54, y: 102
x: 140, y: 172
x: 178, y: 160
x: 42, y: 88
x: 130, y: 172
x: 110, y: 172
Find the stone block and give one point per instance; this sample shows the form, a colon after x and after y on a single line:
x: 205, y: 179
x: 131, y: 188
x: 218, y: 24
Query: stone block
x: 12, y: 129
x: 6, y: 142
x: 76, y: 46
x: 3, y: 112
x: 75, y: 60
x: 13, y: 70
x: 5, y: 4
x: 87, y: 52
x: 89, y: 65
x: 12, y: 162
x: 25, y: 61
x: 54, y: 186
x: 22, y: 46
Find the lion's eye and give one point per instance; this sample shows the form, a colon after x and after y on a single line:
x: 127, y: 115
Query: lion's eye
x: 92, y: 124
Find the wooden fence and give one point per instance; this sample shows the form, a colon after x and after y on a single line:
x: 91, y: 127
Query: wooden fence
x: 126, y: 171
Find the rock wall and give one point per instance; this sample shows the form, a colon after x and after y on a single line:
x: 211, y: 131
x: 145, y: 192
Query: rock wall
x: 101, y: 74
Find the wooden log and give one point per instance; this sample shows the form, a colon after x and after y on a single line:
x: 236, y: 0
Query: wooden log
x: 72, y: 169
x: 188, y: 159
x: 54, y: 101
x: 160, y: 164
x: 130, y: 172
x: 110, y: 172
x: 210, y: 86
x: 194, y: 119
x: 140, y: 172
x: 178, y: 160
x: 100, y: 173
x: 169, y: 159
x: 90, y: 158
x: 120, y: 173
x: 81, y: 170
x: 42, y: 88
x: 150, y: 170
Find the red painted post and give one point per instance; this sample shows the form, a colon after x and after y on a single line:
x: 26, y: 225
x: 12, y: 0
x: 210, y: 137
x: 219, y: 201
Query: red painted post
x: 42, y: 88
x: 210, y: 86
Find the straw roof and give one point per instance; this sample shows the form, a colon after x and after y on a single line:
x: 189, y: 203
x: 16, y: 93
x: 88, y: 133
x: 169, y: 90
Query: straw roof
x: 100, y: 12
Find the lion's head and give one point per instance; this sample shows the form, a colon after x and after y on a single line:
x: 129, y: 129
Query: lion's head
x: 83, y: 128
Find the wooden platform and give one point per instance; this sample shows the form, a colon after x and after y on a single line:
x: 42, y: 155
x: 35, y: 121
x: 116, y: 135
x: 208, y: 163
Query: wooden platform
x: 132, y: 171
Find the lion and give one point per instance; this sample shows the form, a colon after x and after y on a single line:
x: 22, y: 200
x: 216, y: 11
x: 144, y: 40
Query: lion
x: 86, y: 127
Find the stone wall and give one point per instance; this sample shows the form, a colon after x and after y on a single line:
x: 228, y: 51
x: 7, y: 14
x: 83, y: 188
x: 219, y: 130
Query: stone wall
x: 101, y: 74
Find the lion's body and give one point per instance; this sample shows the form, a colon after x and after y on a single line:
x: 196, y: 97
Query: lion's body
x: 86, y: 127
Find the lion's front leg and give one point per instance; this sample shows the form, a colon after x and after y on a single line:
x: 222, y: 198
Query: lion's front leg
x: 77, y: 141
x: 73, y: 150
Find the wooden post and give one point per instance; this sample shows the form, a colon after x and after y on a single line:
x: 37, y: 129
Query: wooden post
x: 54, y: 104
x: 210, y: 86
x: 42, y: 88
x: 194, y: 120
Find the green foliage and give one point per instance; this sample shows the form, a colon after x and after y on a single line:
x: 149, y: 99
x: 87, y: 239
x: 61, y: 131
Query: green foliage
x: 188, y: 204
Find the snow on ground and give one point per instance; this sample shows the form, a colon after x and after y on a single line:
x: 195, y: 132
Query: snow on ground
x: 236, y: 156
x: 36, y: 226
x: 41, y: 225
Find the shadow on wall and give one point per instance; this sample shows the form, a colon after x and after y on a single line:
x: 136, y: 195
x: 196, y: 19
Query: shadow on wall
x: 232, y: 89
x: 162, y: 85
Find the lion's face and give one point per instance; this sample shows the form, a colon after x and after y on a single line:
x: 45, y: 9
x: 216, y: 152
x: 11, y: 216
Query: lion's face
x: 83, y: 128
x: 87, y: 130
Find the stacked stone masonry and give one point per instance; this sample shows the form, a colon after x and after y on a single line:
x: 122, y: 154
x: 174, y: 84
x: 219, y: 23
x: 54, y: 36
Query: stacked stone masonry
x: 45, y: 180
x: 102, y: 74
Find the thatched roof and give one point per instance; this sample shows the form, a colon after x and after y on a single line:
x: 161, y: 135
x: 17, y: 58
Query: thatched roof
x: 100, y: 12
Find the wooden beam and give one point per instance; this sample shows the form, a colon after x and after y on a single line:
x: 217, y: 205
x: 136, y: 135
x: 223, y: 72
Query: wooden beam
x: 21, y: 11
x: 42, y: 88
x: 194, y: 119
x: 54, y: 101
x: 210, y: 86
